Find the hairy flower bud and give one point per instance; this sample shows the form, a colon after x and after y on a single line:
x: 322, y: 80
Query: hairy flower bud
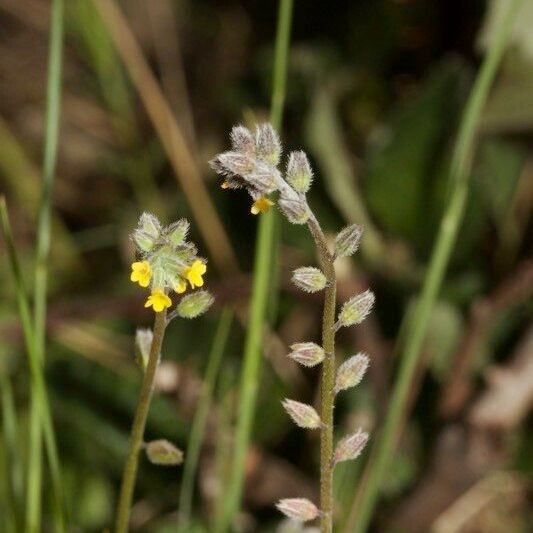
x: 267, y: 144
x: 302, y: 414
x: 147, y: 232
x: 351, y: 372
x: 356, y: 309
x: 242, y: 140
x: 194, y: 304
x: 233, y: 164
x: 177, y: 232
x: 309, y: 279
x: 347, y: 241
x: 299, y: 509
x: 143, y: 344
x: 295, y: 209
x: 350, y: 447
x: 299, y: 174
x: 307, y: 353
x: 164, y: 453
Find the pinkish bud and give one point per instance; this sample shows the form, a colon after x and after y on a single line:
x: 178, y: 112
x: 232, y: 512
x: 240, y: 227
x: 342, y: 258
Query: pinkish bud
x: 242, y: 140
x: 267, y: 144
x: 299, y: 509
x: 350, y: 447
x: 351, y: 372
x: 294, y: 208
x: 302, y: 414
x: 307, y: 353
x: 309, y: 279
x: 356, y: 309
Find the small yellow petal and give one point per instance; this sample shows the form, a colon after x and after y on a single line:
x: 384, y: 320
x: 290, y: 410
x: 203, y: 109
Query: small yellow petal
x: 261, y: 205
x: 181, y: 286
x: 224, y: 185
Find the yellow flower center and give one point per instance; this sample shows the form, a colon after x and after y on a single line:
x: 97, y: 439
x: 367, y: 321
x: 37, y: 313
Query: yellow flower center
x: 181, y: 286
x: 194, y: 273
x: 158, y: 300
x: 141, y: 273
x: 261, y: 205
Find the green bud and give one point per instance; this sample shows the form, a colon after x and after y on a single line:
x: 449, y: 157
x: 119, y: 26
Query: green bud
x: 299, y: 174
x: 177, y: 231
x: 164, y: 453
x: 143, y: 344
x: 356, y: 309
x: 194, y: 304
x: 347, y: 241
x: 147, y: 232
x: 309, y: 279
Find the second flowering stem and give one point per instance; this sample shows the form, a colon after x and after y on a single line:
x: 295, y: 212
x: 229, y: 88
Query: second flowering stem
x: 139, y: 423
x: 327, y: 391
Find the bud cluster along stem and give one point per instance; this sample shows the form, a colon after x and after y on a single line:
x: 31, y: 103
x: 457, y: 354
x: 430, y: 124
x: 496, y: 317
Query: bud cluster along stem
x: 253, y: 165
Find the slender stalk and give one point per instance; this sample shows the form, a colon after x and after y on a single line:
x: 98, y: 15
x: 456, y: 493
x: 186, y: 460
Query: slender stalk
x: 260, y: 291
x: 53, y: 100
x: 200, y: 419
x: 12, y: 468
x: 36, y: 368
x: 327, y: 388
x: 139, y: 424
x: 461, y: 165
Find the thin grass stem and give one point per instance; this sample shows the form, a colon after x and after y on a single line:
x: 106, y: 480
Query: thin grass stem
x: 460, y: 172
x: 38, y: 383
x: 264, y: 253
x: 198, y: 429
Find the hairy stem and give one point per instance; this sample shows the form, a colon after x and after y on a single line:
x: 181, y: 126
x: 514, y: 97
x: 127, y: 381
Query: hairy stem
x: 139, y: 424
x: 327, y: 393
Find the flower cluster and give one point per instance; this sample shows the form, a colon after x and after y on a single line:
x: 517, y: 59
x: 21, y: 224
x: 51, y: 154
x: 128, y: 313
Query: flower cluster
x: 253, y: 163
x: 169, y: 263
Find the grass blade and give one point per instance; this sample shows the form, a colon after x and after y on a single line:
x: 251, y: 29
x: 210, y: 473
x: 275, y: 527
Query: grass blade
x: 53, y: 102
x: 263, y: 265
x: 200, y: 419
x: 460, y: 171
x: 36, y: 368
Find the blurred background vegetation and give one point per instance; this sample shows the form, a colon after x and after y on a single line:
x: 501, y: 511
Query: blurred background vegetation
x: 375, y: 92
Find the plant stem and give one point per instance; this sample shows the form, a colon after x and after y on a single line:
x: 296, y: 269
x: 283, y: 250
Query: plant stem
x: 460, y: 171
x: 260, y: 292
x: 200, y: 418
x: 139, y: 424
x: 53, y: 101
x: 327, y: 389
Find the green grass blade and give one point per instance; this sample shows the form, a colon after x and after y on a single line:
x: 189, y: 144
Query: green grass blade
x: 12, y: 466
x: 53, y: 101
x: 263, y: 265
x: 460, y: 171
x: 36, y: 368
x: 198, y: 429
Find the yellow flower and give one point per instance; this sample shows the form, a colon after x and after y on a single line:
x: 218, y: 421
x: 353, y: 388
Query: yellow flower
x: 194, y: 274
x: 141, y: 273
x: 181, y: 286
x: 224, y: 185
x: 158, y: 300
x: 261, y: 205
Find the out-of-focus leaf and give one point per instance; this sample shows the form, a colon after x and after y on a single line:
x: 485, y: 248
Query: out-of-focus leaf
x: 400, y: 170
x: 445, y: 327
